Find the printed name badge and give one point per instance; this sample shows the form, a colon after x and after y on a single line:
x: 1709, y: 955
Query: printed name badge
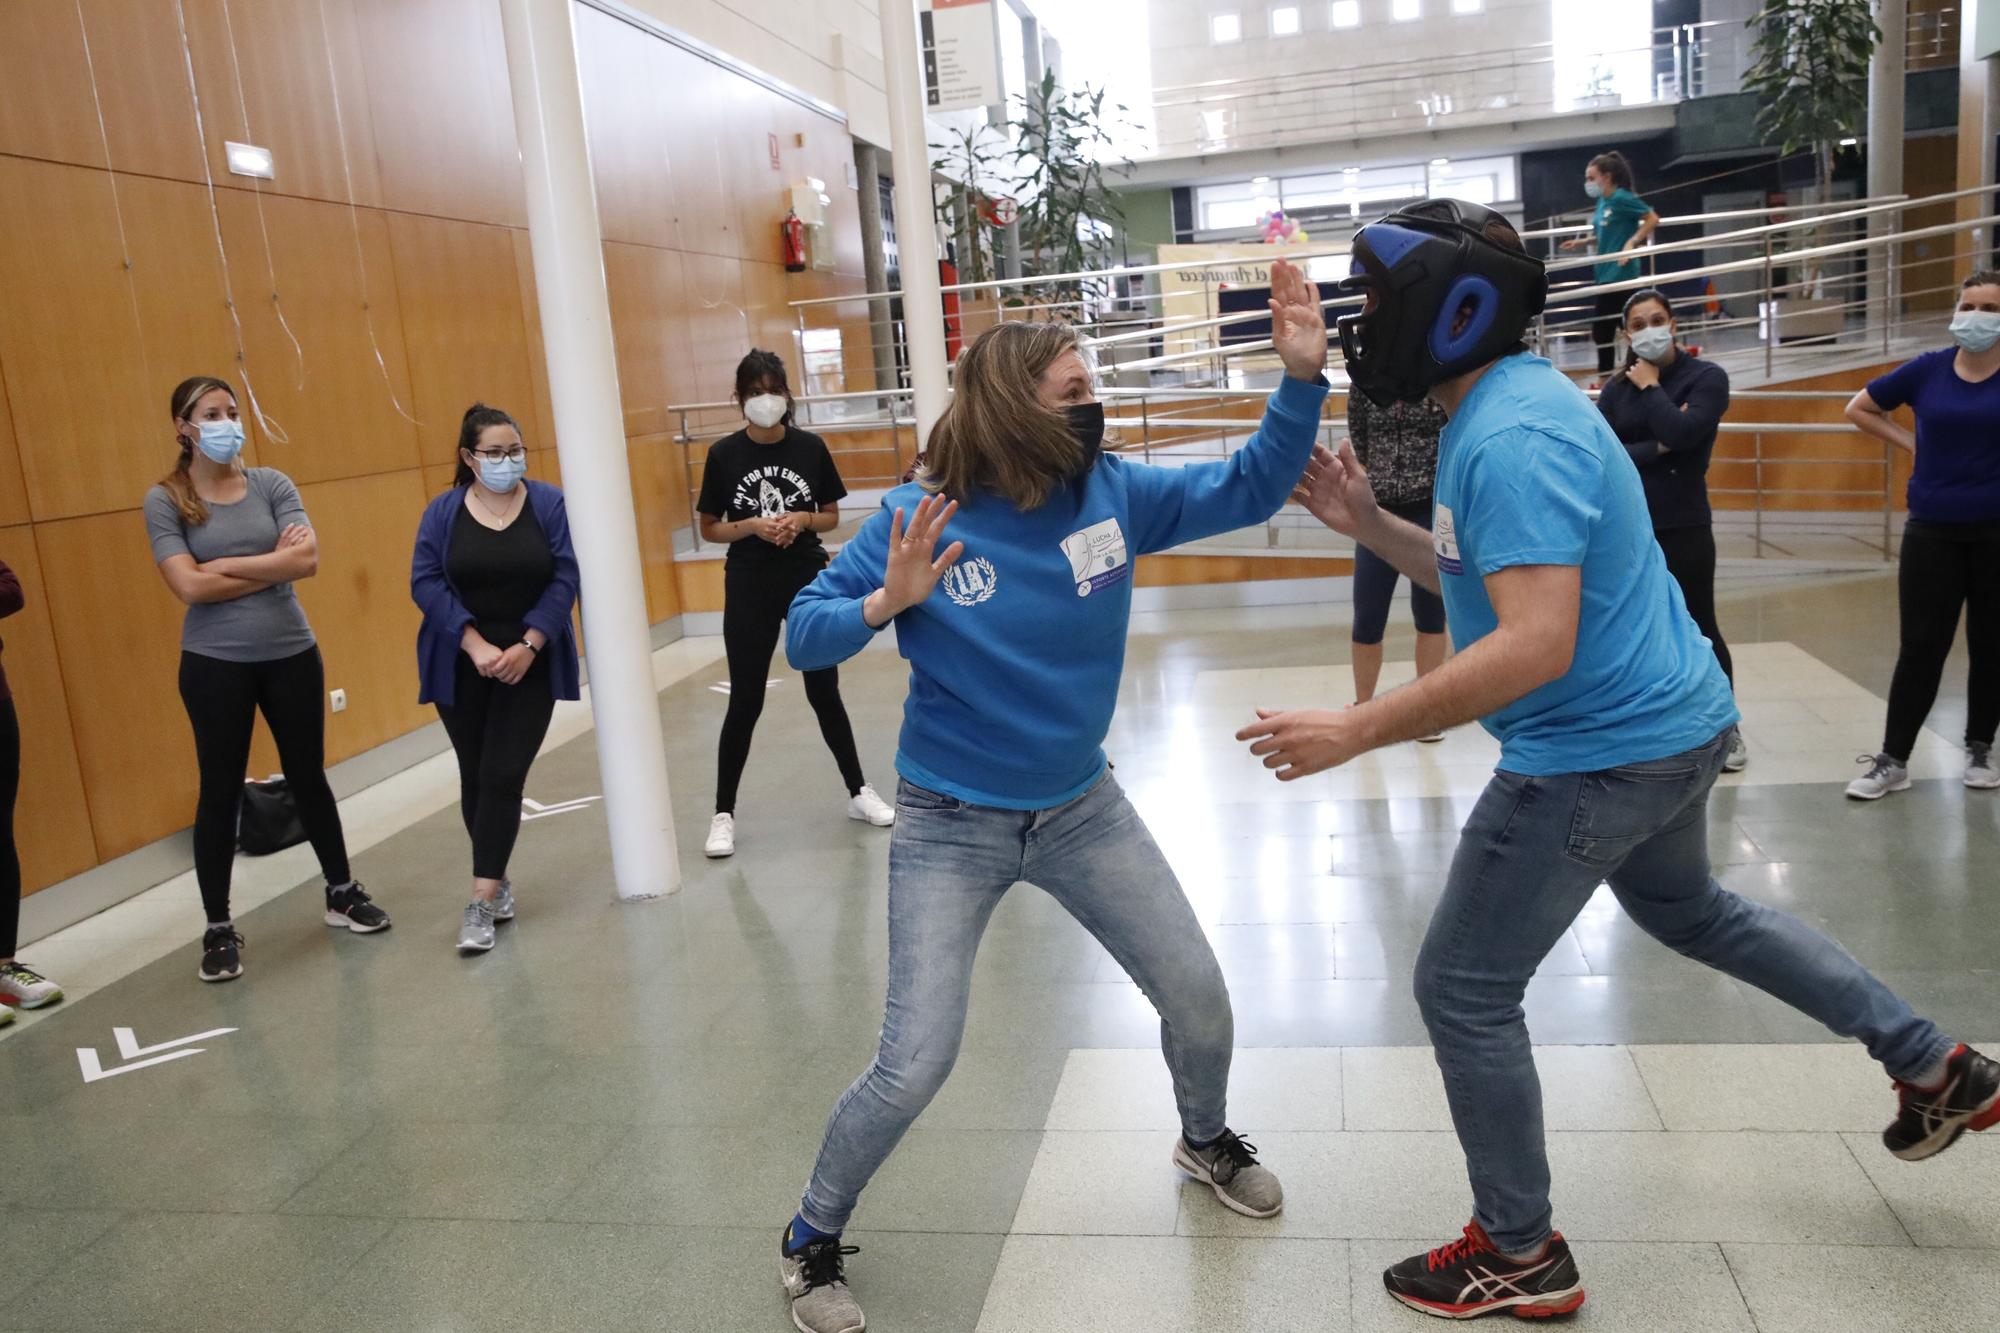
x: 1097, y: 557
x: 1444, y: 539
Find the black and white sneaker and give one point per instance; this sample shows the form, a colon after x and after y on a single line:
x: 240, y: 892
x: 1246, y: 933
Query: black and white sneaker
x: 1469, y: 1278
x: 221, y: 954
x: 1930, y: 1121
x: 815, y: 1279
x: 349, y: 908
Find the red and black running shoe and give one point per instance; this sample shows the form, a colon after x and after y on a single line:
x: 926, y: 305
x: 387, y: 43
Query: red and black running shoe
x: 1469, y: 1278
x: 1931, y: 1121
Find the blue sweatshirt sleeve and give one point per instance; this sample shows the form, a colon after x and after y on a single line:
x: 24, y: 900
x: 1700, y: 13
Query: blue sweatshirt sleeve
x: 1169, y: 506
x: 824, y: 626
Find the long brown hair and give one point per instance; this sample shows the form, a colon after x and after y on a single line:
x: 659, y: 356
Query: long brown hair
x: 997, y: 435
x: 1614, y: 165
x: 179, y: 484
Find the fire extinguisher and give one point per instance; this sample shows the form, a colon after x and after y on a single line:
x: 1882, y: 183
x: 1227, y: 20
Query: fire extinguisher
x: 794, y: 233
x: 953, y: 325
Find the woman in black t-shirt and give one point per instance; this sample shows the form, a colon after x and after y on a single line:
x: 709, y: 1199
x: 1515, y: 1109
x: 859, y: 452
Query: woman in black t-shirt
x: 769, y: 490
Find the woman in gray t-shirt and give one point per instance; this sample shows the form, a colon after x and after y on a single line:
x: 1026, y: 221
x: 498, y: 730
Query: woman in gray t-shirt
x: 230, y: 541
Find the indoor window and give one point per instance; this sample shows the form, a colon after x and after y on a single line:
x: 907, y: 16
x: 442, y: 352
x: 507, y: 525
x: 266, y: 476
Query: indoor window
x: 1284, y: 20
x: 1346, y: 13
x: 1225, y: 28
x: 1404, y: 10
x: 1467, y: 6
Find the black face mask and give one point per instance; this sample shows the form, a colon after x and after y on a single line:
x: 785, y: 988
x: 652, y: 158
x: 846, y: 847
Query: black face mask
x: 1086, y: 427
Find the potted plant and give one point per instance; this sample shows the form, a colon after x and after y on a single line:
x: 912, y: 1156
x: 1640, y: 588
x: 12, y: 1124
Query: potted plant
x: 1810, y: 74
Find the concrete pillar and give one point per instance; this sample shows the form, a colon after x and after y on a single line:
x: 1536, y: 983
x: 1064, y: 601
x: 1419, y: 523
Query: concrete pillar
x: 567, y: 247
x: 916, y: 227
x: 875, y: 264
x: 1885, y: 145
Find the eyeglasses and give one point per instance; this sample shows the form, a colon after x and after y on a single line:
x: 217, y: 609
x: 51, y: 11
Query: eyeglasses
x: 515, y: 455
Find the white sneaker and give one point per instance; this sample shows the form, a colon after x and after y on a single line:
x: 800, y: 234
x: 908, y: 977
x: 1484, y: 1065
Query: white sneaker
x: 1980, y: 770
x: 870, y: 808
x: 1738, y: 757
x: 721, y: 836
x: 1884, y: 775
x: 24, y: 988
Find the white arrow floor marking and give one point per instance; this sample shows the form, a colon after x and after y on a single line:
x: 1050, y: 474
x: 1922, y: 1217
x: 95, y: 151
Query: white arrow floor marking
x: 536, y: 810
x: 129, y: 1049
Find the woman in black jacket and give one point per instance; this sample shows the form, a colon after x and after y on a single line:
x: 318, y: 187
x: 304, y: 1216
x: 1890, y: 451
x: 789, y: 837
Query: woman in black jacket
x: 1665, y: 406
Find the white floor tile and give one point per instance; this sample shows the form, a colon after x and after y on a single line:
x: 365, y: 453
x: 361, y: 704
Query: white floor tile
x: 1269, y: 1090
x: 1628, y: 1288
x: 1114, y: 1184
x: 1812, y: 1087
x: 1814, y: 1289
x: 1348, y: 1185
x: 1951, y: 1200
x: 1583, y: 1088
x: 1167, y: 1284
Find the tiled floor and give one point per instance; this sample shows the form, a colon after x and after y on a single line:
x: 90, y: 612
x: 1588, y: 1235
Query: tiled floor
x: 602, y: 1124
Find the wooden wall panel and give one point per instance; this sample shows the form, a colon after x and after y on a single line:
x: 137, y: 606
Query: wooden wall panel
x: 626, y: 108
x: 444, y: 118
x: 700, y: 583
x: 13, y: 491
x: 52, y: 822
x: 47, y: 109
x: 659, y: 495
x: 117, y: 631
x: 696, y: 113
x: 87, y: 380
x: 283, y: 86
x: 1167, y: 571
x: 360, y: 605
x: 461, y: 303
x: 648, y: 300
x: 718, y: 325
x: 335, y: 401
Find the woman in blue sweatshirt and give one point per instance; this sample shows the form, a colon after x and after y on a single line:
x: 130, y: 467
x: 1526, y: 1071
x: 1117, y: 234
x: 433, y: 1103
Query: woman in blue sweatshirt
x: 1015, y: 634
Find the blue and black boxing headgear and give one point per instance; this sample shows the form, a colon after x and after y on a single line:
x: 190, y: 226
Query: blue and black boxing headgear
x: 1444, y: 297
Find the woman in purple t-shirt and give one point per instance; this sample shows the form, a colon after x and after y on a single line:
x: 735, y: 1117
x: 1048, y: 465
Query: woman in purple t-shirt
x: 1951, y: 543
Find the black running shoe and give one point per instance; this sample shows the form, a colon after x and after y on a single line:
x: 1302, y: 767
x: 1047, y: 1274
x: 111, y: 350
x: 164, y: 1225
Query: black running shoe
x: 1469, y: 1278
x: 350, y: 909
x: 221, y: 954
x: 1930, y: 1122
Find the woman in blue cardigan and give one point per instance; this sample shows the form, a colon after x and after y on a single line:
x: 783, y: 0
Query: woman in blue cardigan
x: 495, y: 577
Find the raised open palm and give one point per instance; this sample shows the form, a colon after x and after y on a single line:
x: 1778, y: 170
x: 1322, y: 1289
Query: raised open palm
x: 912, y: 568
x: 1336, y: 490
x: 1298, y: 324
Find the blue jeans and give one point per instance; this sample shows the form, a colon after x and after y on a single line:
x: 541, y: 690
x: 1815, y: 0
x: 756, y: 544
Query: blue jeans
x: 949, y: 865
x: 1529, y: 858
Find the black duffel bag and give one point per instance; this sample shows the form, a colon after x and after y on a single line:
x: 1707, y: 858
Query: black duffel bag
x: 268, y: 820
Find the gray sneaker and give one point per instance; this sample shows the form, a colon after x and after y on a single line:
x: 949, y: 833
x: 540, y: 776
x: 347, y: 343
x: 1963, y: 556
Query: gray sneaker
x: 1738, y: 757
x: 24, y: 988
x: 816, y: 1280
x: 1980, y: 770
x: 476, y: 935
x: 1229, y: 1167
x: 1884, y: 775
x: 503, y: 901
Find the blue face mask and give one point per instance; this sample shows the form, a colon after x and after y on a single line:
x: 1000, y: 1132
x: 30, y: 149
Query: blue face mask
x: 500, y: 475
x: 1976, y: 330
x: 1593, y: 189
x: 221, y: 441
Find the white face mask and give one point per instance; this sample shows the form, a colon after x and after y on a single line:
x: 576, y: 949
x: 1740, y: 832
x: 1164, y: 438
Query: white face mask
x: 1975, y: 330
x: 1652, y: 343
x: 766, y: 409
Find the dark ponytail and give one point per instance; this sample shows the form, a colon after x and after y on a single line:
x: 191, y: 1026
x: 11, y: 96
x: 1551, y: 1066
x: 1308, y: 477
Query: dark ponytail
x: 1614, y: 165
x: 477, y: 418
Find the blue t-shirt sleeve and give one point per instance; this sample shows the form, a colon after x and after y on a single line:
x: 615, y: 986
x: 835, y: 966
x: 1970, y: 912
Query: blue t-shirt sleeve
x: 1529, y: 499
x: 1899, y: 387
x: 824, y: 626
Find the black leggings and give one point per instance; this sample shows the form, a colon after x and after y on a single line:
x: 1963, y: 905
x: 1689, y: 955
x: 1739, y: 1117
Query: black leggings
x: 223, y: 700
x: 10, y: 859
x: 1604, y: 329
x: 495, y: 730
x: 755, y: 600
x: 1375, y: 586
x: 1942, y: 572
x: 1690, y: 556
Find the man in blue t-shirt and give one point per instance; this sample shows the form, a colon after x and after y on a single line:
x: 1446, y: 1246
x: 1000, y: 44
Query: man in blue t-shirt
x: 1575, y: 649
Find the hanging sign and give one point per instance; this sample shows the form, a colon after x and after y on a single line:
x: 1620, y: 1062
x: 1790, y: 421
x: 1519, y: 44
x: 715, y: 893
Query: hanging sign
x: 961, y: 54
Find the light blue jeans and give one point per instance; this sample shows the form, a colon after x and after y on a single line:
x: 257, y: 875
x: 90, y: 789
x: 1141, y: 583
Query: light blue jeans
x: 1530, y: 857
x: 949, y: 865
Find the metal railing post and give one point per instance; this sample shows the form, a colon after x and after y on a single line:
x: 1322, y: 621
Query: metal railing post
x: 1757, y: 489
x: 1145, y: 428
x: 687, y: 471
x: 1888, y: 496
x: 1770, y: 311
